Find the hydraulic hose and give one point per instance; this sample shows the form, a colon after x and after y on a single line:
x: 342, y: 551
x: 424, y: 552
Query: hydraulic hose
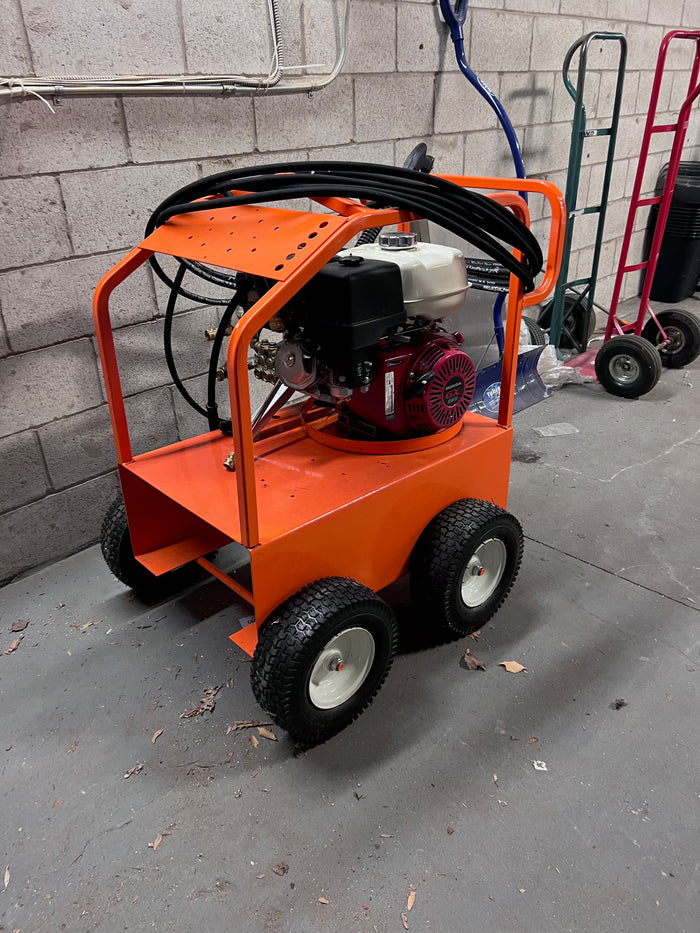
x: 471, y: 216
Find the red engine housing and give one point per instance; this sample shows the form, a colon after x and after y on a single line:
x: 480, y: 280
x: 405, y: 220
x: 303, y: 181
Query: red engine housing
x: 419, y: 388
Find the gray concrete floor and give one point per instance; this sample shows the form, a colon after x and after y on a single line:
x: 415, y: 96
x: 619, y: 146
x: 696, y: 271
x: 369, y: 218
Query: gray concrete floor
x: 433, y: 789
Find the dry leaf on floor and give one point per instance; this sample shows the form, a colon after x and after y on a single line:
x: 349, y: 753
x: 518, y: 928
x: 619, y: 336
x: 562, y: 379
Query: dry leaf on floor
x: 156, y: 735
x: 19, y: 625
x: 386, y: 835
x: 472, y: 662
x: 254, y: 741
x: 14, y: 646
x: 532, y: 740
x: 513, y: 667
x: 495, y: 779
x: 56, y: 802
x: 156, y: 842
x: 260, y: 877
x: 411, y: 900
x: 206, y: 704
x: 475, y: 635
x: 267, y: 734
x: 281, y: 868
x: 669, y: 698
x: 522, y: 890
x: 365, y: 905
x: 246, y: 724
x: 7, y: 877
x: 323, y: 900
x: 450, y: 830
x: 72, y: 748
x: 134, y: 770
x: 404, y: 920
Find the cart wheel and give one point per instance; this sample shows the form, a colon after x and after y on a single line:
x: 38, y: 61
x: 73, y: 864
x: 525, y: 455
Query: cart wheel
x: 538, y: 338
x: 682, y: 329
x: 464, y: 564
x: 628, y: 366
x: 118, y: 552
x: 322, y: 657
x: 579, y: 317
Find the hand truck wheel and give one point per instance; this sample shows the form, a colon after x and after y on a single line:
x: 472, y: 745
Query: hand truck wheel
x: 464, y: 564
x: 628, y: 366
x: 682, y: 329
x: 579, y: 319
x: 537, y: 336
x: 322, y: 657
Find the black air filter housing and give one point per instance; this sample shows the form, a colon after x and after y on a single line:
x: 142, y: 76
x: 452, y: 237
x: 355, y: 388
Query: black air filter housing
x: 349, y: 305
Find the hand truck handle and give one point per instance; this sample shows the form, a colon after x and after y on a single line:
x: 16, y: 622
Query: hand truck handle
x: 583, y: 43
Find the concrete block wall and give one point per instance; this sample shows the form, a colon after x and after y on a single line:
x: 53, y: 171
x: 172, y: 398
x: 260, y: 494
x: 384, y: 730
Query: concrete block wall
x: 77, y: 186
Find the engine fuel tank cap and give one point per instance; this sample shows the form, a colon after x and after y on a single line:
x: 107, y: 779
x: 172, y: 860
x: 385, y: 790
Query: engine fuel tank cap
x: 397, y: 240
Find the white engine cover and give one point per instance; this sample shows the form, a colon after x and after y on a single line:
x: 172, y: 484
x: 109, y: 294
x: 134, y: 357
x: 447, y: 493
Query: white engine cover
x: 433, y: 277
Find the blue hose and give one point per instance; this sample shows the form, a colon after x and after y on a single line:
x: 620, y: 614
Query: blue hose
x: 454, y: 17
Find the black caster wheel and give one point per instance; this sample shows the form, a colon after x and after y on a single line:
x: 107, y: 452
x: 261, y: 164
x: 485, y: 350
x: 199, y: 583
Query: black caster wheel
x: 628, y: 366
x: 682, y: 329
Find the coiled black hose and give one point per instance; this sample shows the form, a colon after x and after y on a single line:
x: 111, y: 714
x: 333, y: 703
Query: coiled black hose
x: 469, y: 215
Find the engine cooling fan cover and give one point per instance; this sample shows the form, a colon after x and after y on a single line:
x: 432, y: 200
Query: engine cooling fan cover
x: 449, y: 390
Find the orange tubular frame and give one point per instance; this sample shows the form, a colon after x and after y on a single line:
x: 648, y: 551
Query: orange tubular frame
x: 181, y: 503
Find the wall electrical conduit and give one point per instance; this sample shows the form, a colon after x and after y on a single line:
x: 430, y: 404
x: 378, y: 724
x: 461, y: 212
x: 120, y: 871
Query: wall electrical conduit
x: 275, y: 82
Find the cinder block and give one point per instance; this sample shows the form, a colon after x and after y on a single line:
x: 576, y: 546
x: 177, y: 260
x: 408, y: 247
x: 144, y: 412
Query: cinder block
x: 629, y: 10
x: 691, y: 18
x: 629, y: 137
x: 227, y: 37
x: 393, y: 106
x: 81, y: 134
x: 167, y: 128
x: 423, y: 40
x: 371, y: 42
x: 82, y: 446
x: 527, y: 97
x: 500, y: 41
x: 486, y: 153
x: 108, y: 209
x: 47, y: 384
x: 607, y: 90
x: 33, y: 221
x: 590, y: 8
x: 55, y: 526
x: 617, y: 181
x: 48, y: 304
x: 459, y: 107
x: 448, y: 152
x: 546, y: 148
x: 23, y: 472
x: 14, y: 54
x: 294, y: 121
x: 140, y: 350
x: 642, y: 46
x: 380, y: 152
x: 530, y: 6
x: 667, y: 13
x: 138, y: 37
x: 552, y: 38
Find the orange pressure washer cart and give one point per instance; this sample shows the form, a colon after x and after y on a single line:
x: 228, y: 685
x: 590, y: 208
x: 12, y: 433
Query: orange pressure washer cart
x: 327, y: 521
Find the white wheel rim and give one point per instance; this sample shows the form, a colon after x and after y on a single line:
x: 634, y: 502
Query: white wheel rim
x: 625, y: 369
x: 483, y: 572
x: 341, y: 668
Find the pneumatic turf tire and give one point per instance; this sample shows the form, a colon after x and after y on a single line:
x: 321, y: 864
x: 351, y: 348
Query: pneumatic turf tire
x: 537, y: 336
x: 464, y: 564
x: 118, y: 552
x: 628, y: 366
x: 682, y: 329
x: 322, y: 657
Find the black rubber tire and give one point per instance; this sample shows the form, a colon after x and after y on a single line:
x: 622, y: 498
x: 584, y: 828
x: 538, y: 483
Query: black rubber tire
x: 291, y: 641
x: 682, y: 329
x: 118, y: 552
x: 441, y: 557
x: 628, y: 366
x: 579, y: 318
x: 538, y: 338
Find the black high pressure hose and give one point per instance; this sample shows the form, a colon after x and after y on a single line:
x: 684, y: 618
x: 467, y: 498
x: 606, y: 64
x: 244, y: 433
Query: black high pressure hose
x: 469, y: 215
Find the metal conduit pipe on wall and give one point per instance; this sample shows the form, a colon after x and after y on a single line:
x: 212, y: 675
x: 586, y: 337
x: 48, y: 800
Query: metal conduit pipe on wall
x: 19, y: 89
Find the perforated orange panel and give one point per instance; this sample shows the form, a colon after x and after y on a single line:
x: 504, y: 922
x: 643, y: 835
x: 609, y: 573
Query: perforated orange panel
x: 267, y: 241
